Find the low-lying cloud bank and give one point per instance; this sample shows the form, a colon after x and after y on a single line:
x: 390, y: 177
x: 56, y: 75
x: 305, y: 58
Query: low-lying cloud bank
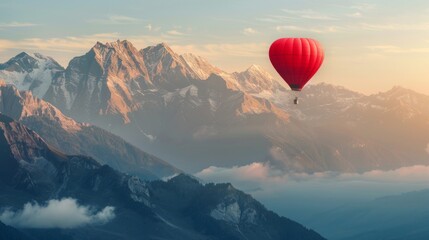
x: 64, y: 213
x: 302, y: 195
x: 263, y: 172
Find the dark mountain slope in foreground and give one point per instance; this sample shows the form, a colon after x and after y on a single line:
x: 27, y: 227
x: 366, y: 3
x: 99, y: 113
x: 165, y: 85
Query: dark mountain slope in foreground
x: 181, y: 208
x: 10, y: 233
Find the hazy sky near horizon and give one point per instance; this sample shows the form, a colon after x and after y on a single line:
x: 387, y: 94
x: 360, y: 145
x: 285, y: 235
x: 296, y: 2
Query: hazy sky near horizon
x: 370, y: 46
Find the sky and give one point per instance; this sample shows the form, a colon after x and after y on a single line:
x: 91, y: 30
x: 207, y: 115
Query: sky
x: 370, y: 46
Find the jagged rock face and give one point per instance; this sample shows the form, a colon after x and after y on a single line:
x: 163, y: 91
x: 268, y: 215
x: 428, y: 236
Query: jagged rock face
x: 167, y: 69
x: 24, y: 144
x: 101, y: 82
x: 30, y: 72
x: 179, y: 207
x: 21, y: 105
x: 24, y: 157
x: 75, y: 138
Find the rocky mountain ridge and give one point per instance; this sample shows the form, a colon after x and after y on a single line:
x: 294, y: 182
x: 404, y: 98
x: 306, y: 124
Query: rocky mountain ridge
x: 73, y: 137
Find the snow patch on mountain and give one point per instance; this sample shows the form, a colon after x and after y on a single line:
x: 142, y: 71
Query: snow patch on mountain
x: 249, y: 215
x: 190, y: 92
x: 139, y: 190
x: 228, y: 212
x: 201, y: 67
x: 32, y: 72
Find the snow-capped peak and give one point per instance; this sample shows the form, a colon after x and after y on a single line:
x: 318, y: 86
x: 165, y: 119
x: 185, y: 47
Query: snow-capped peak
x: 120, y: 53
x: 398, y: 90
x: 32, y: 72
x: 22, y: 62
x: 200, y: 66
x: 255, y: 80
x: 257, y: 70
x: 160, y: 53
x: 118, y: 46
x: 161, y: 49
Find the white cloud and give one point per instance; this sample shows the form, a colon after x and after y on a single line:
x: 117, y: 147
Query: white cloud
x: 224, y: 49
x: 302, y: 195
x: 354, y: 15
x: 363, y: 6
x: 65, y: 44
x: 395, y: 26
x: 325, y: 29
x: 16, y: 24
x: 149, y: 27
x: 263, y: 175
x: 249, y: 31
x: 254, y: 171
x: 77, y: 44
x: 175, y: 33
x: 397, y: 49
x: 116, y: 19
x: 64, y: 213
x: 309, y: 14
x: 274, y: 18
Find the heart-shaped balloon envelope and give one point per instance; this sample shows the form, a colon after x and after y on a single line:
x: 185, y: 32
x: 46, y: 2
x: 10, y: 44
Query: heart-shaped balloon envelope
x: 296, y: 60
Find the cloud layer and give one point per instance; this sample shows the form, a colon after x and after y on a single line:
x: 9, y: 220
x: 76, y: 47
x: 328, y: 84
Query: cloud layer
x: 64, y: 213
x: 264, y: 173
x: 293, y: 194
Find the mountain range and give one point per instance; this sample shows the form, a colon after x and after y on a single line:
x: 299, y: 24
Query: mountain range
x: 32, y: 171
x: 183, y: 109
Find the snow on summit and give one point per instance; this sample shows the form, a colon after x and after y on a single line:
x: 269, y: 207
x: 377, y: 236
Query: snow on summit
x: 32, y: 72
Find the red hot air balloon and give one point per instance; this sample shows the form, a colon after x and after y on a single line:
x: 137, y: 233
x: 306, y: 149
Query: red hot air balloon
x: 296, y: 60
